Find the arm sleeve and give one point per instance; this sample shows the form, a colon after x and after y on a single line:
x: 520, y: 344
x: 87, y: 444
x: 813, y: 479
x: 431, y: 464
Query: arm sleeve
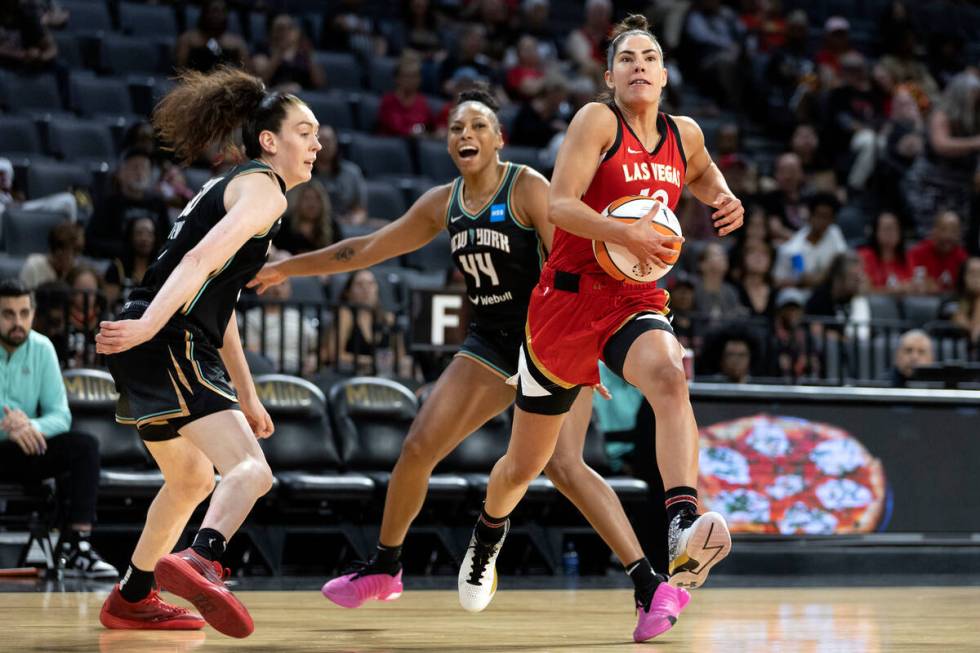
x: 54, y: 417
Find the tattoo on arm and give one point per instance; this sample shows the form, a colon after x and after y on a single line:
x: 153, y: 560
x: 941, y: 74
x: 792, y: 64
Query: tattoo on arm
x: 344, y: 254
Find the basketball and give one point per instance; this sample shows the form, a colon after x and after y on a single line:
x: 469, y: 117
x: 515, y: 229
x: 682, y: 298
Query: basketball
x: 620, y: 263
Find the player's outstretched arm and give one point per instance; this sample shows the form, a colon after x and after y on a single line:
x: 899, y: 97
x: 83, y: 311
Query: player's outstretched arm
x: 706, y: 181
x: 255, y: 203
x: 420, y: 224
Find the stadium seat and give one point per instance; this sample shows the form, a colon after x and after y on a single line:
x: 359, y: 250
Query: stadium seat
x: 94, y: 96
x: 384, y: 200
x: 197, y: 177
x: 921, y: 309
x: 192, y: 14
x: 147, y: 20
x: 435, y: 255
x: 331, y: 109
x: 81, y: 141
x: 342, y: 69
x: 381, y: 74
x: 378, y: 155
x: 31, y: 93
x: 87, y: 16
x: 529, y: 156
x: 10, y: 266
x: 26, y: 232
x: 883, y: 307
x: 435, y: 162
x: 49, y: 177
x: 308, y: 290
x: 69, y: 50
x: 125, y: 55
x: 367, y: 112
x: 18, y: 137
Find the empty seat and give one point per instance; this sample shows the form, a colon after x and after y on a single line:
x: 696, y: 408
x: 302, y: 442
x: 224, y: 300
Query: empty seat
x: 377, y: 155
x: 18, y: 137
x: 529, y: 156
x: 381, y: 74
x: 331, y: 109
x: 49, y: 177
x: 883, y: 307
x: 435, y: 255
x: 26, y: 232
x: 342, y: 69
x: 367, y: 112
x: 10, y: 266
x: 87, y: 16
x: 81, y: 140
x: 147, y: 20
x: 128, y: 55
x: 307, y: 290
x: 93, y: 96
x: 435, y: 162
x: 919, y: 309
x: 69, y: 50
x: 31, y: 93
x: 384, y: 200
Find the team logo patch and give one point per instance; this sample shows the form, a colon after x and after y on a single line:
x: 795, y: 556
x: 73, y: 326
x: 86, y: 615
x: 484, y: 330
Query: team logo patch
x: 497, y: 212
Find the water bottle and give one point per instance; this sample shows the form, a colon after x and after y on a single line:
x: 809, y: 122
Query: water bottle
x: 569, y: 560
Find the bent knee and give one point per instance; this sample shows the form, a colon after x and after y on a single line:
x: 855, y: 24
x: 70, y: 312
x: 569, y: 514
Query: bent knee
x: 562, y: 470
x: 521, y: 473
x: 192, y: 488
x: 419, y: 451
x: 663, y: 380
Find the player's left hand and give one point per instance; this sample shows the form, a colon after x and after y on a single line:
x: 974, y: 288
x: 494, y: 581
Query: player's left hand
x: 729, y: 214
x: 257, y: 417
x: 602, y: 390
x: 120, y: 335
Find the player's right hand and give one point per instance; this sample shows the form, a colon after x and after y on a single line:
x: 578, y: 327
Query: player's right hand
x: 648, y: 244
x: 267, y: 277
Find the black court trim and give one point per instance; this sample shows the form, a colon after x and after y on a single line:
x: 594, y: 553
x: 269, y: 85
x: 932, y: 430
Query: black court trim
x: 619, y: 132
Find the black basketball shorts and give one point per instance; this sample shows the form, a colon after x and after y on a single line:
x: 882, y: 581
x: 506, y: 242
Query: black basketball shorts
x: 496, y: 349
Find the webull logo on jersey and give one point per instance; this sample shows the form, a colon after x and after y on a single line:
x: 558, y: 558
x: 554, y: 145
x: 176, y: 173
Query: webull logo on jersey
x: 644, y: 171
x: 497, y: 213
x: 481, y: 238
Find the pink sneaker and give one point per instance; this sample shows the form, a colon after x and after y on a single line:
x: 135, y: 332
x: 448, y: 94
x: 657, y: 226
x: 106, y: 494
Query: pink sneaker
x: 666, y: 606
x: 352, y: 590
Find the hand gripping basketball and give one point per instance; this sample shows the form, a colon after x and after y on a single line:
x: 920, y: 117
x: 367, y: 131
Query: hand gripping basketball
x: 650, y: 245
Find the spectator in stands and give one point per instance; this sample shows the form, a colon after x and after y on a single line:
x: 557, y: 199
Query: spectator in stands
x: 308, y: 223
x: 536, y: 21
x: 946, y: 56
x: 785, y: 204
x: 754, y: 279
x: 804, y: 259
x: 525, y: 78
x: 791, y: 77
x: 682, y: 307
x: 839, y: 298
x: 364, y: 332
x: 35, y: 440
x: 419, y: 29
x: 886, y: 265
x: 729, y: 355
x: 914, y: 350
x: 586, y: 45
x: 966, y: 311
x: 764, y: 25
x: 88, y: 308
x: 127, y: 271
x: 818, y: 173
x: 836, y: 44
x: 281, y: 333
x: 717, y: 38
x: 852, y: 118
x: 58, y: 202
x: 349, y: 27
x: 51, y: 316
x: 715, y: 298
x: 901, y: 140
x: 405, y: 111
x: 945, y: 173
x: 343, y: 179
x: 495, y: 16
x: 209, y: 43
x: 65, y: 242
x: 936, y: 261
x: 737, y: 358
x: 26, y: 45
x: 469, y: 53
x: 903, y: 64
x: 287, y: 63
x: 792, y: 358
x: 541, y: 119
x: 130, y: 196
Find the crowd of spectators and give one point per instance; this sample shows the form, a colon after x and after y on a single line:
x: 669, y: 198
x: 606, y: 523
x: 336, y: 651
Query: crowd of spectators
x: 852, y: 140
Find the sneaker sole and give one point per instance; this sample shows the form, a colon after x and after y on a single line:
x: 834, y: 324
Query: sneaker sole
x: 352, y: 602
x: 217, y: 605
x: 708, y: 544
x: 112, y: 622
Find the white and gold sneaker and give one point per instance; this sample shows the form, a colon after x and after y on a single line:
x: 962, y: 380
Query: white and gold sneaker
x: 695, y: 544
x: 478, y: 573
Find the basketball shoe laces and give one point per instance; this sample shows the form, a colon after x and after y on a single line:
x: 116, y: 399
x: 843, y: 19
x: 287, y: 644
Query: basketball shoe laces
x: 481, y: 558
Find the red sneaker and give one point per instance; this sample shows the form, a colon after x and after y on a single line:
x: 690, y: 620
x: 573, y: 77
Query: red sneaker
x: 201, y: 582
x: 152, y: 613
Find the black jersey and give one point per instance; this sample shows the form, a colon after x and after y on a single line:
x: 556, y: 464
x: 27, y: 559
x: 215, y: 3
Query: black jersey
x: 210, y: 308
x: 499, y: 257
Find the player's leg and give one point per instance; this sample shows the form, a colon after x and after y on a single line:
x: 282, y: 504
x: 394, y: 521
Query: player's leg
x: 654, y: 364
x: 657, y: 609
x: 196, y: 573
x: 188, y: 480
x: 465, y: 397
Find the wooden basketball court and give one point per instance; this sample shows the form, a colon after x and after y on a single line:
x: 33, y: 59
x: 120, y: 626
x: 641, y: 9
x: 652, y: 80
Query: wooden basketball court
x: 525, y: 621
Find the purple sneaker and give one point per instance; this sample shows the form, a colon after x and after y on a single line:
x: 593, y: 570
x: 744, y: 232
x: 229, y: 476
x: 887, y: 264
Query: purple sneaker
x: 353, y: 589
x: 666, y: 606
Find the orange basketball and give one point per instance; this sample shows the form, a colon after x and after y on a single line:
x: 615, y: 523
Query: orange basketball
x: 617, y: 261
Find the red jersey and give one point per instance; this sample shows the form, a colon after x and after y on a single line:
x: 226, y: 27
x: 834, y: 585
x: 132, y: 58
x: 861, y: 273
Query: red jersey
x: 627, y: 168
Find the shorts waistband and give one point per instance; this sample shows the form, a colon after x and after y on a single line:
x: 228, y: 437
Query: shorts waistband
x: 587, y: 283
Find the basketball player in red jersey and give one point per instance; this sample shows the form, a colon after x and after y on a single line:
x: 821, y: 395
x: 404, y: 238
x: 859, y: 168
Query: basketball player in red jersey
x: 578, y: 314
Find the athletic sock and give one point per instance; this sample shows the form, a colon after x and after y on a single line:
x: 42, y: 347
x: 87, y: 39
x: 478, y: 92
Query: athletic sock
x: 490, y: 530
x: 645, y: 581
x: 388, y: 559
x: 681, y: 499
x: 209, y: 544
x: 136, y: 584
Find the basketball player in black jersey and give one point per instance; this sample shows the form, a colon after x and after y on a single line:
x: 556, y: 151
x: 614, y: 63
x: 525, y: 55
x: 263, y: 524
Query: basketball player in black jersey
x: 497, y: 216
x: 176, y: 343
